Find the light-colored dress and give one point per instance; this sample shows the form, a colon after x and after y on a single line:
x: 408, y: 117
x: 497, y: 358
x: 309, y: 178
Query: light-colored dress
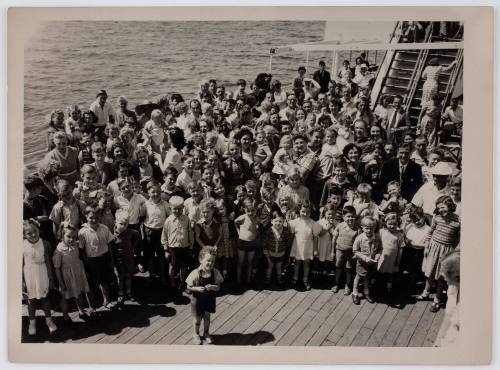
x: 67, y: 259
x: 325, y: 245
x: 428, y: 125
x: 392, y: 244
x: 431, y: 84
x: 304, y: 232
x: 35, y: 271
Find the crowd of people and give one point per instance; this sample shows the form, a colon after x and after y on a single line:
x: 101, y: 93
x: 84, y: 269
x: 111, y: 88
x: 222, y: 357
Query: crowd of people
x: 275, y: 186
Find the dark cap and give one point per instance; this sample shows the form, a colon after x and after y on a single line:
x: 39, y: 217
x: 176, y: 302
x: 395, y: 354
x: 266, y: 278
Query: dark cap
x: 241, y: 82
x: 301, y: 68
x: 102, y: 92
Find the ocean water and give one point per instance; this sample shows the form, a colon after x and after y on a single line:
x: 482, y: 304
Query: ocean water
x: 67, y: 62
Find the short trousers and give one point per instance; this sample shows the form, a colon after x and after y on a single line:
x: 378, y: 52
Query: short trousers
x: 246, y: 246
x: 412, y: 259
x: 344, y: 258
x: 180, y: 256
x: 99, y: 270
x: 276, y: 259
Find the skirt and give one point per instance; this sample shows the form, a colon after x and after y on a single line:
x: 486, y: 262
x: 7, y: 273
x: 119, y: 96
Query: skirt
x: 75, y: 280
x: 37, y: 280
x: 431, y: 265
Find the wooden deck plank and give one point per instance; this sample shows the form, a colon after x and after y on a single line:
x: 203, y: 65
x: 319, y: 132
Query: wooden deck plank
x: 284, y: 318
x: 396, y: 326
x: 187, y: 335
x: 252, y: 317
x: 317, y: 320
x: 434, y: 329
x: 297, y: 321
x: 232, y: 324
x: 381, y: 328
x: 158, y: 332
x: 111, y: 323
x: 184, y: 336
x: 362, y: 337
x: 356, y: 324
x: 418, y: 337
x: 410, y: 325
x: 375, y: 316
x: 319, y: 337
x: 296, y: 308
x: 255, y: 333
x: 345, y: 321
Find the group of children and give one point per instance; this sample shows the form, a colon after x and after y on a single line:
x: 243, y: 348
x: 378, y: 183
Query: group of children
x: 245, y: 215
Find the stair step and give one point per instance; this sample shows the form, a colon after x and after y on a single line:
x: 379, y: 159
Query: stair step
x: 403, y: 64
x: 395, y: 81
x: 402, y: 69
x: 396, y: 87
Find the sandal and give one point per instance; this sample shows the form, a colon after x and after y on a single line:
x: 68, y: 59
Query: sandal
x: 435, y: 307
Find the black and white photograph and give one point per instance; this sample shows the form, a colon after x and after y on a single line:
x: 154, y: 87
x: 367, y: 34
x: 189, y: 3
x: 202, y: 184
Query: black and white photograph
x: 251, y: 183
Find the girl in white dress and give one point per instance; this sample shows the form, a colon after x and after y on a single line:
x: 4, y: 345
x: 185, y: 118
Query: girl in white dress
x: 37, y: 274
x: 70, y: 271
x: 305, y: 233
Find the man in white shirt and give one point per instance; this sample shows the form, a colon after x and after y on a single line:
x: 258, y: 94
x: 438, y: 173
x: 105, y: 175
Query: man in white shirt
x: 428, y: 193
x: 364, y: 78
x: 103, y: 110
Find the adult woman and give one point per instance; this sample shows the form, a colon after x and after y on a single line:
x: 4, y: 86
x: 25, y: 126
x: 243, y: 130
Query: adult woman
x: 363, y: 112
x: 334, y: 106
x: 428, y: 119
x: 147, y: 170
x: 56, y: 124
x: 74, y: 122
x: 66, y: 156
x: 279, y: 94
x: 248, y: 146
x: 382, y: 110
x: 356, y: 168
x: 431, y: 76
x: 173, y: 156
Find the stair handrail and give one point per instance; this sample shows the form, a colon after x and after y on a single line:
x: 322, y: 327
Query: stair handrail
x: 417, y: 75
x: 393, y: 34
x: 453, y: 78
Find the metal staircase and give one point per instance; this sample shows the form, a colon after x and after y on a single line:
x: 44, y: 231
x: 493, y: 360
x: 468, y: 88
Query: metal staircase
x: 403, y: 76
x: 446, y: 82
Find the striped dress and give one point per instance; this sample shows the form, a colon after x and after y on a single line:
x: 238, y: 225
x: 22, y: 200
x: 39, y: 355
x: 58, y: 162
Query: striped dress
x: 443, y: 238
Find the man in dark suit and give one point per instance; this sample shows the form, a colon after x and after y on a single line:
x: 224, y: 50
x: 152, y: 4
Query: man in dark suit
x: 322, y: 77
x: 404, y: 171
x: 397, y: 121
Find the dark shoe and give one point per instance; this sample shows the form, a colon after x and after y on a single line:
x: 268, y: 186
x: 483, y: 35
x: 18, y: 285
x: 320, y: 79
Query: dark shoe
x: 355, y: 299
x: 434, y: 307
x: 335, y: 289
x: 369, y: 299
x: 307, y: 286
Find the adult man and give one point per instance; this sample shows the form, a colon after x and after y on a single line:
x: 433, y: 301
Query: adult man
x: 288, y: 114
x: 428, y: 193
x: 298, y: 82
x: 397, y: 120
x: 403, y: 170
x: 322, y: 77
x: 103, y: 110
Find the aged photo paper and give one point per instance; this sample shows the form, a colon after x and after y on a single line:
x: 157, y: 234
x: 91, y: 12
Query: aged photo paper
x: 162, y: 190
